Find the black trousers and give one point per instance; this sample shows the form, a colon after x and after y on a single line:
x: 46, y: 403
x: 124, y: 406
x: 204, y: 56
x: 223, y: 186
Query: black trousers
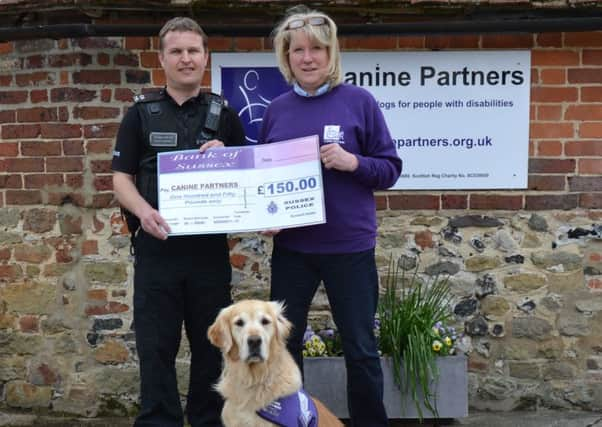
x: 351, y: 283
x: 170, y: 291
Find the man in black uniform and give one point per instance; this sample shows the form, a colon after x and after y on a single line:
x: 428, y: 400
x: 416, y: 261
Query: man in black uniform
x: 180, y: 279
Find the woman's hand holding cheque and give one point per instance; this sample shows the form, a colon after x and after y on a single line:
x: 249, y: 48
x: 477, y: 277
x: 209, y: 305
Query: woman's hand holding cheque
x: 335, y: 157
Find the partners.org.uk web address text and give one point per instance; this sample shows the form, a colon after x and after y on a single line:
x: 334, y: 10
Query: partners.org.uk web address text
x: 431, y: 142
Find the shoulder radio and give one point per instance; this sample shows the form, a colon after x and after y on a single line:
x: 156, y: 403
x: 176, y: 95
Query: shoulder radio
x: 209, y: 130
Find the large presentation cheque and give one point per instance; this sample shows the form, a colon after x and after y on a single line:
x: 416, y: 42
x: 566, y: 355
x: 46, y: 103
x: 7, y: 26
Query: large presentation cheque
x: 236, y: 189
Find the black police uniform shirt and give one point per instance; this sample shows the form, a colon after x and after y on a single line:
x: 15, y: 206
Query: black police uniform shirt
x: 130, y: 149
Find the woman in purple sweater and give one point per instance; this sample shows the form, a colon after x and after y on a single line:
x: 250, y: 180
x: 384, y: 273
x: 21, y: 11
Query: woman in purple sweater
x: 358, y: 157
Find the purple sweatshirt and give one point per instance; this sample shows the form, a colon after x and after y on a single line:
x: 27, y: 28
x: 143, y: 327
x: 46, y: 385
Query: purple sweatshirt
x: 349, y: 199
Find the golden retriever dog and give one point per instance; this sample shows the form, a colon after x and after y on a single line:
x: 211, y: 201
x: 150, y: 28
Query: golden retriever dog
x: 258, y: 369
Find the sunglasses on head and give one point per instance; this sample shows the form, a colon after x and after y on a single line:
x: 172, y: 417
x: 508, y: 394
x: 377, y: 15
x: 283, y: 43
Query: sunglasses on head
x: 299, y: 23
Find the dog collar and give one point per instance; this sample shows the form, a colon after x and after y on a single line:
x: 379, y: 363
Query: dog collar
x: 294, y: 410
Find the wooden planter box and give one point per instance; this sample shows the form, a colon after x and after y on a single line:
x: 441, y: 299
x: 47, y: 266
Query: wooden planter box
x: 326, y: 379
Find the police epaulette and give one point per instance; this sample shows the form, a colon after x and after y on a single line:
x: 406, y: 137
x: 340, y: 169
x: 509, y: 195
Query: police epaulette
x: 152, y: 96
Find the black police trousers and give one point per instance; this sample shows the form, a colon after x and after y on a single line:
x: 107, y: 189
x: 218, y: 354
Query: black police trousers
x: 170, y: 291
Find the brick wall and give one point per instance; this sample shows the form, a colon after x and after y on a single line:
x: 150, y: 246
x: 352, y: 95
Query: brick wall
x: 62, y: 102
x: 65, y: 276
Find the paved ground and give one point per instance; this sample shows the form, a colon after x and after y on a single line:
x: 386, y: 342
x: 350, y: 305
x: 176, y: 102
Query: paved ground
x: 477, y: 419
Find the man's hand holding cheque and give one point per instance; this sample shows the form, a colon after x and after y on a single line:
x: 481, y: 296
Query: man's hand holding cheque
x: 214, y: 143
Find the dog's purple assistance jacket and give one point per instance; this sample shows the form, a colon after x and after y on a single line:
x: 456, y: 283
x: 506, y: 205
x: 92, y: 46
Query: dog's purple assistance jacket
x: 294, y: 410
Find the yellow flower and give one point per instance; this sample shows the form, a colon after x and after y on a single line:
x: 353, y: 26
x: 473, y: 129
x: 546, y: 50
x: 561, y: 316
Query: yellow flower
x: 436, y: 330
x: 447, y: 341
x: 437, y: 345
x: 305, y: 353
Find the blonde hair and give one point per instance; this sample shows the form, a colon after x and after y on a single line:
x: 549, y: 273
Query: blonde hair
x: 324, y: 34
x: 181, y: 24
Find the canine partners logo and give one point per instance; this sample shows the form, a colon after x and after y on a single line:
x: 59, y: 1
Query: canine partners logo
x: 249, y: 90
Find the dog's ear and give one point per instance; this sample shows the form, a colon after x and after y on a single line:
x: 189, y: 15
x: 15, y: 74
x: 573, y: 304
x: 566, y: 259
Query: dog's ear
x: 283, y: 325
x: 234, y: 354
x: 219, y: 333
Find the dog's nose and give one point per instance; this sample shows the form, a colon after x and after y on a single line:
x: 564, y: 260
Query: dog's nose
x: 254, y: 343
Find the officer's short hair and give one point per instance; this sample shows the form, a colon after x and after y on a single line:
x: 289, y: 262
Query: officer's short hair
x: 323, y: 30
x: 181, y: 23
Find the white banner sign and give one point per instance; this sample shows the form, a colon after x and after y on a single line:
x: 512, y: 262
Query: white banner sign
x: 459, y: 120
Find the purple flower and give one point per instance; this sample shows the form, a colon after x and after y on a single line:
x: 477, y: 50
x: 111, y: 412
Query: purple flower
x: 308, y: 333
x: 326, y: 333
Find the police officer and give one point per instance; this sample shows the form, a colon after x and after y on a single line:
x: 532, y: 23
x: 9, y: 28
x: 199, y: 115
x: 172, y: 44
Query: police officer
x: 180, y: 279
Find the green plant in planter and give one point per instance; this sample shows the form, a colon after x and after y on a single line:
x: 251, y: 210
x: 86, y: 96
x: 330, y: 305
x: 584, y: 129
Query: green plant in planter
x: 412, y: 331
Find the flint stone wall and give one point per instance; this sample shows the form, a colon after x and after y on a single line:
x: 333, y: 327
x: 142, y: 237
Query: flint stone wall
x: 529, y: 300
